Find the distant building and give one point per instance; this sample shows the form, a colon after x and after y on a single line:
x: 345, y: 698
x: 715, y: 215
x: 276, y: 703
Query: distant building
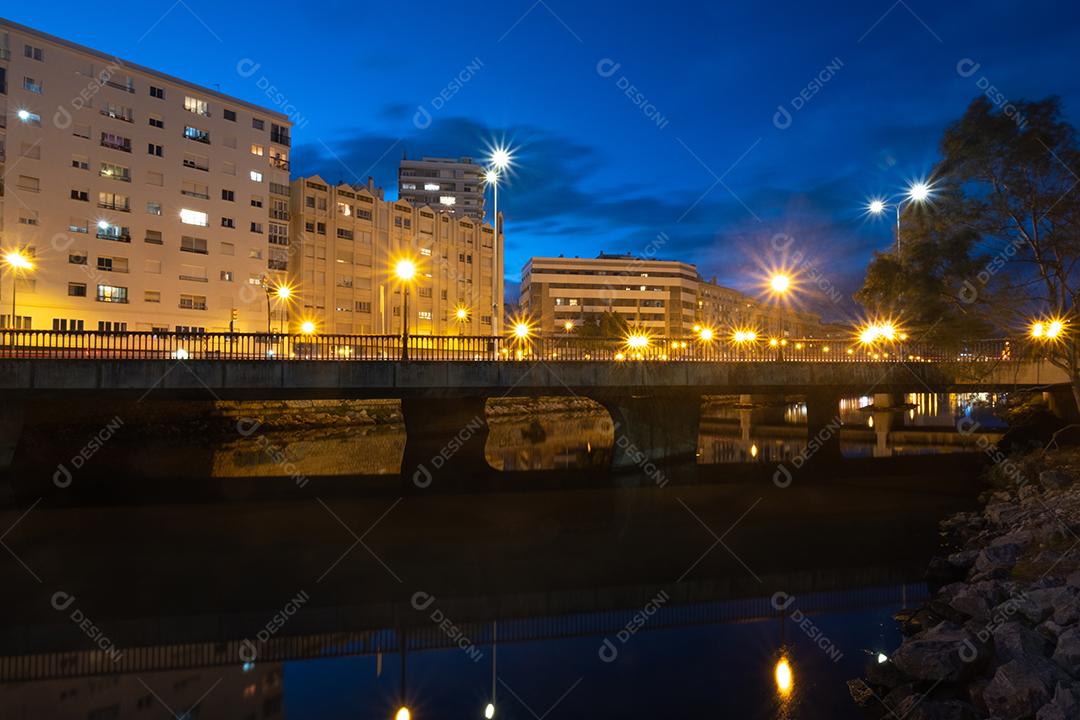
x: 346, y: 242
x: 663, y: 297
x: 443, y: 184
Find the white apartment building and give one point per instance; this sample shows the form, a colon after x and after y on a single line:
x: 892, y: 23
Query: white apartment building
x: 443, y: 184
x: 144, y: 202
x: 662, y: 297
x: 347, y: 242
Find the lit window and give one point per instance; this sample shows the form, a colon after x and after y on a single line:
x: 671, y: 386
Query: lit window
x: 29, y: 118
x: 432, y: 186
x: 257, y: 150
x: 256, y: 176
x: 425, y: 314
x: 194, y: 217
x: 194, y: 105
x: 425, y: 252
x: 448, y: 200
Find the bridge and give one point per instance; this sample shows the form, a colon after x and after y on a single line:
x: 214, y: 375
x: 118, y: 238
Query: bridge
x: 652, y: 387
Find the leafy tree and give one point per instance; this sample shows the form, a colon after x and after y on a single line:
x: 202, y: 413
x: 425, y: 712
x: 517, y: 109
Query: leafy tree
x: 999, y: 243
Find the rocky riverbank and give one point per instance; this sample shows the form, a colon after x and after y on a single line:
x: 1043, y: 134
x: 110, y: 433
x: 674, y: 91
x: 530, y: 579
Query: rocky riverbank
x: 1000, y: 636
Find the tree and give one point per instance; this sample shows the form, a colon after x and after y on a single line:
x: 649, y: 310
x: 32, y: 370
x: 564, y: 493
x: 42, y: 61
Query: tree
x: 1000, y: 242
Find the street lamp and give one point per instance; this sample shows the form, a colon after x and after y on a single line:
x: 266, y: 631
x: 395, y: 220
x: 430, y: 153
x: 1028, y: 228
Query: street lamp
x: 462, y: 315
x: 284, y: 292
x: 500, y: 158
x: 16, y: 261
x: 405, y: 270
x: 917, y: 192
x: 780, y: 284
x: 307, y: 327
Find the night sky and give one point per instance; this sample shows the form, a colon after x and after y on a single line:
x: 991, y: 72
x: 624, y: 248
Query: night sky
x: 700, y: 163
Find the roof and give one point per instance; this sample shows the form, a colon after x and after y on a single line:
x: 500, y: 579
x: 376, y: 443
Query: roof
x: 140, y: 68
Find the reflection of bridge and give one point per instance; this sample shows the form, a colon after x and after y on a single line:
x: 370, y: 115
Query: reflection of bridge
x: 653, y: 391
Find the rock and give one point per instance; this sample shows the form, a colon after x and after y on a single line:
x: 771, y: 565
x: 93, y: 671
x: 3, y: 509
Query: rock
x: 884, y: 674
x: 998, y: 560
x: 913, y: 622
x: 942, y: 572
x: 947, y: 612
x: 944, y: 652
x: 1067, y: 607
x: 1050, y: 630
x: 1015, y: 641
x: 1002, y: 513
x: 914, y: 709
x: 1053, y: 480
x: 861, y: 693
x: 1067, y: 654
x: 1028, y: 493
x: 963, y: 560
x: 1073, y: 580
x: 1064, y: 706
x: 1019, y: 688
x: 974, y: 599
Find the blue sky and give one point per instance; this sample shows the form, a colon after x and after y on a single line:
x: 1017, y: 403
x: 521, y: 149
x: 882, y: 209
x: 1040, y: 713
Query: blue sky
x: 709, y: 172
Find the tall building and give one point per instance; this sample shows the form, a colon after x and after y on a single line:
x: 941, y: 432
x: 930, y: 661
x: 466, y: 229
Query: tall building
x: 662, y: 297
x: 144, y: 202
x: 444, y: 184
x: 348, y: 241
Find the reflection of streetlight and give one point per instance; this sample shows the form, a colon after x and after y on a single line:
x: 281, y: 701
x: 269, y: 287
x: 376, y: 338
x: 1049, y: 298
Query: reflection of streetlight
x: 489, y: 711
x: 402, y: 713
x: 783, y: 675
x: 917, y: 192
x: 16, y: 261
x: 405, y: 270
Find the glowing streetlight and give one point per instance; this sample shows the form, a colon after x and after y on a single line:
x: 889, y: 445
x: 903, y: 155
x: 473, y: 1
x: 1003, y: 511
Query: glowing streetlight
x: 779, y: 283
x: 16, y: 260
x: 568, y: 326
x: 489, y: 711
x: 706, y: 334
x: 405, y: 271
x: 522, y: 330
x: 917, y: 192
x: 307, y: 327
x: 402, y: 713
x: 500, y: 158
x: 637, y: 341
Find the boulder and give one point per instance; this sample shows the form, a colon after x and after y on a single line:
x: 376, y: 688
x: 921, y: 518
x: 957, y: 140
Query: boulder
x: 1067, y: 607
x: 1002, y: 513
x: 916, y: 708
x: 945, y: 652
x: 1067, y: 653
x: 998, y: 560
x: 1054, y: 480
x: 1028, y: 493
x: 861, y: 693
x: 1064, y: 706
x: 1018, y: 688
x: 1015, y: 641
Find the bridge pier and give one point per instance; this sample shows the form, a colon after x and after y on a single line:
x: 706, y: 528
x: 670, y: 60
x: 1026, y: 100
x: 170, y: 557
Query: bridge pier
x: 823, y: 425
x: 444, y: 441
x: 653, y: 428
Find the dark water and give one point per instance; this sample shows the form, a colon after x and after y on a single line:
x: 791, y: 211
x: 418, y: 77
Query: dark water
x: 513, y: 593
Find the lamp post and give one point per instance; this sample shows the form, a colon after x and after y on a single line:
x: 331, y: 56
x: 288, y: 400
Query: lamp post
x: 16, y: 261
x: 500, y: 159
x: 284, y: 292
x: 462, y: 315
x: 917, y: 192
x: 405, y: 270
x: 779, y: 285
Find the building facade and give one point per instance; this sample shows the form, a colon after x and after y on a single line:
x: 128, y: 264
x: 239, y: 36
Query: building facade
x: 143, y: 202
x: 347, y: 242
x: 454, y: 186
x: 661, y: 297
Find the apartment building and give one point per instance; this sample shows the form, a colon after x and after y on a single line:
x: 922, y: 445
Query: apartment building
x: 347, y: 243
x: 143, y: 202
x: 453, y: 186
x: 662, y: 297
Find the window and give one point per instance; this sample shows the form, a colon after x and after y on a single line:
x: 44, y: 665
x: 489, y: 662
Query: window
x: 228, y: 195
x: 152, y: 266
x: 113, y: 201
x: 157, y: 92
x: 72, y: 325
x: 309, y: 201
x: 424, y: 314
x: 320, y: 228
x: 425, y: 252
x: 110, y: 326
x: 156, y: 121
x: 76, y: 289
x: 34, y: 53
x: 80, y: 195
x: 152, y: 296
x: 28, y: 217
x: 228, y: 249
x: 112, y: 294
x: 154, y: 237
x: 194, y: 105
x: 363, y: 306
x: 29, y: 183
x: 256, y: 201
x: 155, y: 178
x: 115, y: 172
x: 229, y: 115
x: 194, y: 217
x: 228, y: 222
x: 193, y: 302
x: 155, y: 150
x: 258, y: 124
x: 196, y: 162
x: 32, y: 85
x: 424, y: 292
x: 279, y: 134
x: 197, y: 134
x: 345, y: 234
x: 78, y: 225
x: 257, y: 149
x: 77, y: 258
x: 115, y: 142
x: 226, y: 276
x: 81, y: 131
x: 29, y: 118
x: 279, y: 234
x: 193, y: 245
x: 80, y: 162
x: 228, y: 168
x: 256, y: 227
x: 153, y: 208
x: 194, y: 189
x: 447, y: 199
x: 118, y: 112
x: 256, y: 176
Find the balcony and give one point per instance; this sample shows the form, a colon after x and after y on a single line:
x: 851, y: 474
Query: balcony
x: 121, y: 146
x: 279, y: 163
x: 117, y: 116
x: 197, y: 135
x: 128, y: 87
x: 196, y: 166
x: 192, y: 305
x: 113, y: 176
x: 119, y: 207
x: 115, y: 237
x: 281, y: 138
x: 194, y: 278
x: 274, y: 214
x: 277, y: 264
x: 192, y: 193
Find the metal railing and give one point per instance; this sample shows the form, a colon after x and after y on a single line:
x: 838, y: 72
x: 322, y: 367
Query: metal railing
x: 318, y: 346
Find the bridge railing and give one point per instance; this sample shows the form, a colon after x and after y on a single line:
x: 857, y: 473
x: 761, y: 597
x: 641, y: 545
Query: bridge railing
x: 279, y: 346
